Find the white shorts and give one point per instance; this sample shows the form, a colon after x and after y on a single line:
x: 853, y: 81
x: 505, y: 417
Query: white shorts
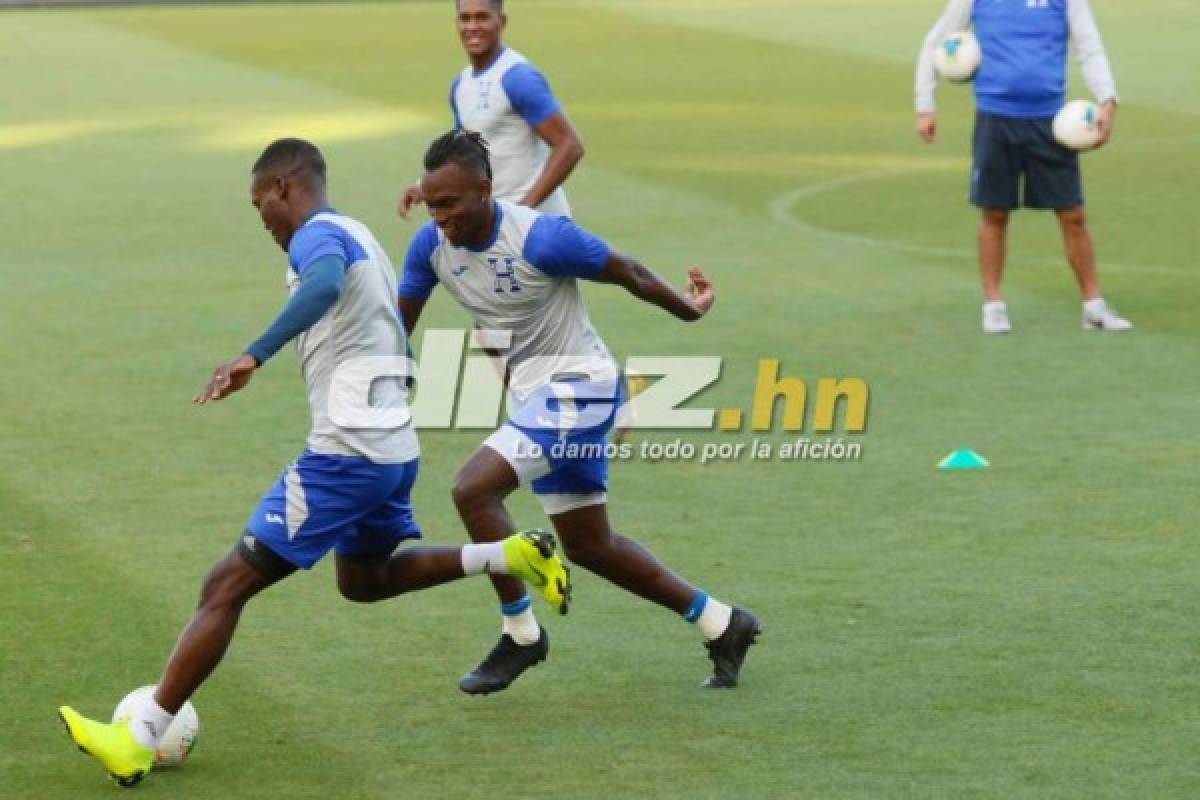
x: 555, y: 485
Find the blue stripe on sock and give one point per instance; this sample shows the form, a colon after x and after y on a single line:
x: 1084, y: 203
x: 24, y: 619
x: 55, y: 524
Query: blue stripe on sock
x: 518, y: 606
x: 698, y: 603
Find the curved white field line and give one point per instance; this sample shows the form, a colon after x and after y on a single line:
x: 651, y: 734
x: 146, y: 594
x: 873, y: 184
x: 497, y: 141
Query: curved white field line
x: 780, y: 209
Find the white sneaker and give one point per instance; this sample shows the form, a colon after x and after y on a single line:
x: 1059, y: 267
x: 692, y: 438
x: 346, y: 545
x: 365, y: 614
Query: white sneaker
x: 1097, y: 316
x: 995, y: 318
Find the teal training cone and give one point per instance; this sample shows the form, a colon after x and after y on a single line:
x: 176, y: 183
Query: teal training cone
x: 963, y: 459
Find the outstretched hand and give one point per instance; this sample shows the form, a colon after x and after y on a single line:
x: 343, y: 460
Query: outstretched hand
x: 227, y: 379
x: 700, y: 291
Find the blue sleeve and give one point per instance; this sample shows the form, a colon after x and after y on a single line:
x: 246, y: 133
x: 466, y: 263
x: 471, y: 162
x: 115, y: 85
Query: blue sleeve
x: 419, y: 278
x: 317, y: 240
x: 454, y: 103
x: 321, y: 283
x: 529, y: 94
x: 557, y: 246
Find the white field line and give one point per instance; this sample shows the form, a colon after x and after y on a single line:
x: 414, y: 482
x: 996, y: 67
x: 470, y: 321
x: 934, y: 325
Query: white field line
x: 781, y: 211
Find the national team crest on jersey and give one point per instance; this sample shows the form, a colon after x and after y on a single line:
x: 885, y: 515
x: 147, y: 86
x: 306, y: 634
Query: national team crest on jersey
x: 523, y: 281
x: 505, y: 271
x: 485, y: 91
x: 506, y: 101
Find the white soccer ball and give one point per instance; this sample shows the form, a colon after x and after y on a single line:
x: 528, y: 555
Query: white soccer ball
x: 1077, y: 125
x: 180, y: 737
x: 958, y: 57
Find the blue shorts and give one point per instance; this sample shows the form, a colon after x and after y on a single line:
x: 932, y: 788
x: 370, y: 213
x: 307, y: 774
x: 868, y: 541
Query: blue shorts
x: 349, y: 504
x: 1009, y: 150
x: 561, y: 452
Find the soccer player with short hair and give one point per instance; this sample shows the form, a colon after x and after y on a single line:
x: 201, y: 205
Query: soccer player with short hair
x: 501, y: 95
x: 515, y: 270
x: 348, y: 491
x: 1021, y: 85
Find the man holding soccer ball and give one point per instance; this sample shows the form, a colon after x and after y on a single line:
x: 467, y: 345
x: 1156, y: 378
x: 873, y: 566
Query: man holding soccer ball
x: 1020, y: 86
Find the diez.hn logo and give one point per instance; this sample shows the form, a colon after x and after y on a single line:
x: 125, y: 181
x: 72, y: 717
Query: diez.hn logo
x: 465, y: 388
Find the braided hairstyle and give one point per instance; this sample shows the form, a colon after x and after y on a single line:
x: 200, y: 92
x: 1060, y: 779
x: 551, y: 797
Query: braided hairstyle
x: 467, y: 149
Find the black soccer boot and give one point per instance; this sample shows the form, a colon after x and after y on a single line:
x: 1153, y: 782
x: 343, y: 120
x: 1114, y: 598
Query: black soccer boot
x: 728, y: 650
x: 505, y: 664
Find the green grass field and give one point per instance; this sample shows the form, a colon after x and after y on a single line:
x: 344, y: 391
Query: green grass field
x: 1027, y: 631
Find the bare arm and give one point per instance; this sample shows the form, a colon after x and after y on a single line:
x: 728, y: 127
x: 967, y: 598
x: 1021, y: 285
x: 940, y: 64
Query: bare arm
x: 566, y: 150
x: 410, y: 312
x: 689, y: 305
x: 409, y: 198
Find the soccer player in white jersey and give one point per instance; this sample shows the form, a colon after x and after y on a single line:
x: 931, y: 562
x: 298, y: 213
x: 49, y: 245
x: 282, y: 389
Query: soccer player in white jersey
x: 515, y: 271
x: 349, y: 489
x: 501, y: 95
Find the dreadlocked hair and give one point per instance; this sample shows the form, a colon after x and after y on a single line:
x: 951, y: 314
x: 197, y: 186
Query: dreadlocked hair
x: 467, y: 149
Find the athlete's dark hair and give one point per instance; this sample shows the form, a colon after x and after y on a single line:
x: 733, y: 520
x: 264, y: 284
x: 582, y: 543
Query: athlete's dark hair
x: 497, y: 5
x: 467, y: 149
x: 286, y: 156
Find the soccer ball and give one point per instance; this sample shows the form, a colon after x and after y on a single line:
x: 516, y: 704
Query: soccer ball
x: 1077, y: 125
x: 958, y: 57
x: 180, y: 737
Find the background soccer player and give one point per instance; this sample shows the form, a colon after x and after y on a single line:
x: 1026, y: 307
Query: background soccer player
x: 502, y: 96
x: 515, y: 271
x: 1021, y: 85
x: 349, y: 489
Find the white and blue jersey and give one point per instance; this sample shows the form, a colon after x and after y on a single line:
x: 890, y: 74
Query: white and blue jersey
x: 349, y: 488
x: 563, y: 386
x: 1024, y: 44
x: 363, y: 326
x: 505, y: 101
x: 522, y: 281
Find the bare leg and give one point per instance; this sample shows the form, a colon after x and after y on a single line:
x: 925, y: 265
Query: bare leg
x: 232, y: 582
x: 1081, y: 254
x: 373, y: 578
x: 589, y: 542
x: 993, y: 235
x: 229, y: 584
x: 479, y: 491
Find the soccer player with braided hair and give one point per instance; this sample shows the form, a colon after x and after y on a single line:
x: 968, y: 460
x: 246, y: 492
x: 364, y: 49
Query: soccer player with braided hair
x: 516, y: 272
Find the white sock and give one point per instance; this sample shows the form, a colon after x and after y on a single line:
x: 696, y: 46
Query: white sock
x: 994, y: 304
x: 149, y: 722
x: 714, y: 619
x: 487, y: 557
x: 1096, y: 306
x: 522, y: 627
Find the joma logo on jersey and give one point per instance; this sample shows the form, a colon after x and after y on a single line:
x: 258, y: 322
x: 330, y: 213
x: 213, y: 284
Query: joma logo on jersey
x: 506, y: 276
